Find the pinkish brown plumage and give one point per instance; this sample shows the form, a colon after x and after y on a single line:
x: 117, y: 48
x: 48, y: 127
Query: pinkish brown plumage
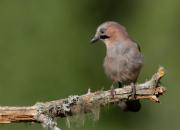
x: 123, y: 59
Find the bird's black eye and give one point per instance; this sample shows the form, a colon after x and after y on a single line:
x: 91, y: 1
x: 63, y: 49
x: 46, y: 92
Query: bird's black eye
x: 102, y: 30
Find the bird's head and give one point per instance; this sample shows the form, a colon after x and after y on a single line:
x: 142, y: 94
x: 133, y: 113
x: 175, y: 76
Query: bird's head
x: 109, y: 33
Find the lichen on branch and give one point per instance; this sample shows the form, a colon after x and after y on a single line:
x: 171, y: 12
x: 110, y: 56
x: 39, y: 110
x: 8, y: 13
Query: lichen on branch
x: 46, y: 113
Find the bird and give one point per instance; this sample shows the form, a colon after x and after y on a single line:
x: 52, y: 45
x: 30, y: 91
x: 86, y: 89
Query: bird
x: 123, y: 60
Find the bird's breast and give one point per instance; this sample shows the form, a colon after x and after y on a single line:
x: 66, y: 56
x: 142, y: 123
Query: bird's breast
x: 123, y: 67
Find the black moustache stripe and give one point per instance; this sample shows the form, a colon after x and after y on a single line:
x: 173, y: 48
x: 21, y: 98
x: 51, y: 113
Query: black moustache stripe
x: 104, y: 37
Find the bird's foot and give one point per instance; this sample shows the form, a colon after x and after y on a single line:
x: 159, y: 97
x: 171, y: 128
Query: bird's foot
x: 133, y: 91
x: 113, y: 92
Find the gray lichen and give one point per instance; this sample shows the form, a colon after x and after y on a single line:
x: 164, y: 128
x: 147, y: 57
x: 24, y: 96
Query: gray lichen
x: 46, y: 114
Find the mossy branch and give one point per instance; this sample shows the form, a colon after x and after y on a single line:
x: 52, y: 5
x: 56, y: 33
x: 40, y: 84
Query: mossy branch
x: 45, y: 113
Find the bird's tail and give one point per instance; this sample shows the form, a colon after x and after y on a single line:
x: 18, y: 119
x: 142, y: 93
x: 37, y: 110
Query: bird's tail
x: 132, y: 105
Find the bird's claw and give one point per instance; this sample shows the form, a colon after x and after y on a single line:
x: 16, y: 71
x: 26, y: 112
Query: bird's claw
x: 133, y: 91
x: 113, y: 92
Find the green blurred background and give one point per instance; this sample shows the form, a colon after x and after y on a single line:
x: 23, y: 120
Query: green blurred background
x: 45, y: 55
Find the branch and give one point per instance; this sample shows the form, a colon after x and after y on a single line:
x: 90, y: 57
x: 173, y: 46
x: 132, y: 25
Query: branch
x: 45, y: 113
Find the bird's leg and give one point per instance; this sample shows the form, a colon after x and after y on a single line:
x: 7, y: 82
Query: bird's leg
x: 133, y: 90
x: 112, y: 90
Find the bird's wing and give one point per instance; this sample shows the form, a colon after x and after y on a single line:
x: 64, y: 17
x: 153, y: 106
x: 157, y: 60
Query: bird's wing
x: 138, y: 46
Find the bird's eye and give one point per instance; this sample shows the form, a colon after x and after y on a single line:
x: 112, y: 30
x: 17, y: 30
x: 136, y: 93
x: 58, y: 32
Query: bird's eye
x: 102, y: 30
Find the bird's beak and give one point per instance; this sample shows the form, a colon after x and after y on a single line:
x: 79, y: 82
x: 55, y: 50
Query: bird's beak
x: 94, y: 39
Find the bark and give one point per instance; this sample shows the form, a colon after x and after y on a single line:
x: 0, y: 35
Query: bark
x: 45, y: 113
